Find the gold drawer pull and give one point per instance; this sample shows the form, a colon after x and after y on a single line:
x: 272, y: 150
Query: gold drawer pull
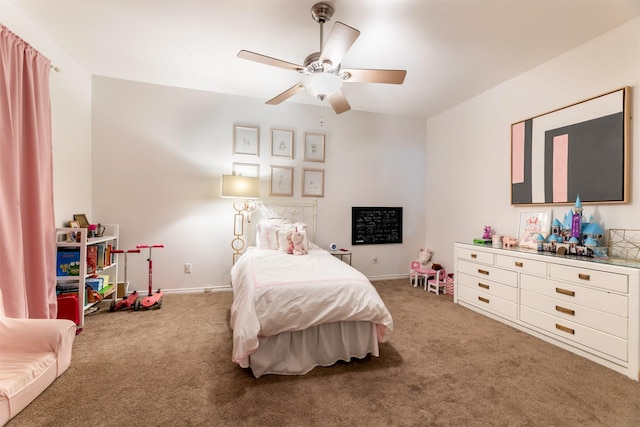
x: 474, y: 256
x: 482, y: 285
x: 484, y: 299
x: 565, y: 292
x: 565, y: 329
x: 518, y: 264
x: 565, y: 310
x: 483, y: 272
x: 584, y: 276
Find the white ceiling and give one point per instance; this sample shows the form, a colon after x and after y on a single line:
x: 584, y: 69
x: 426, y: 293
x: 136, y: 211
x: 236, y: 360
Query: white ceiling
x: 452, y: 50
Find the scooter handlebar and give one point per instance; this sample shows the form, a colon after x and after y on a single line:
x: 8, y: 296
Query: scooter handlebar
x: 149, y: 246
x: 121, y: 251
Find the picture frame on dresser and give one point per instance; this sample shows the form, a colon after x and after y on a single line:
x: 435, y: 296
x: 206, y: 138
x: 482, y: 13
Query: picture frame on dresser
x: 530, y: 224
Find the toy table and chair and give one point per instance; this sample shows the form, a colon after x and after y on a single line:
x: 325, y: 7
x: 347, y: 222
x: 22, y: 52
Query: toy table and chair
x: 433, y: 280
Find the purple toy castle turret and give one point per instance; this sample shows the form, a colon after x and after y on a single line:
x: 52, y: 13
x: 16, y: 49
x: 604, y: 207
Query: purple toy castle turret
x: 576, y: 220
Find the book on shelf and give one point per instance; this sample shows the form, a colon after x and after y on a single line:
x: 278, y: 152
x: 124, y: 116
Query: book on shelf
x: 92, y: 259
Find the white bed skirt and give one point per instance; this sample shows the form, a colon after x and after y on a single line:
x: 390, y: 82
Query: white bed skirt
x: 298, y: 352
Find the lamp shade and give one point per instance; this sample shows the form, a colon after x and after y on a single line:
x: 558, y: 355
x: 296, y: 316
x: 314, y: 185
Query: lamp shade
x: 322, y: 85
x: 238, y: 186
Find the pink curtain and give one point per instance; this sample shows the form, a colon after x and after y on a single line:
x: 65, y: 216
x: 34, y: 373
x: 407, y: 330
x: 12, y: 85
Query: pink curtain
x: 27, y: 225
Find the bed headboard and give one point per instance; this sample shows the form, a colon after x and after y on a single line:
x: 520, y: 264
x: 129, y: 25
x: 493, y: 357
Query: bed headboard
x: 300, y: 211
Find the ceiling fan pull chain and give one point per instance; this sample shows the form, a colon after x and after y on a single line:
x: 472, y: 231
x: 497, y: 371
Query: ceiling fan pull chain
x: 321, y: 116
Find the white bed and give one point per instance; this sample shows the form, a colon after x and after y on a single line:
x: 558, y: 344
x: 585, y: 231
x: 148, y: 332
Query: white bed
x: 292, y: 313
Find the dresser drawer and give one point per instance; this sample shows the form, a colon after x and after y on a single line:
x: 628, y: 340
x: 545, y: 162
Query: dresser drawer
x: 605, y: 322
x: 488, y: 273
x: 489, y: 287
x: 523, y: 265
x: 574, y: 332
x: 584, y: 276
x: 475, y: 256
x: 566, y: 292
x: 487, y: 302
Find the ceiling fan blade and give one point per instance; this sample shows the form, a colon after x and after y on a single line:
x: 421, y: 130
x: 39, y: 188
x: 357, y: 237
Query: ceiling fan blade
x: 376, y: 76
x: 286, y: 94
x: 252, y: 56
x: 338, y: 43
x: 339, y: 102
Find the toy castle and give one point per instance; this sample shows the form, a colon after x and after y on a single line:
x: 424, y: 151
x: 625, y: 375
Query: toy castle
x: 574, y: 235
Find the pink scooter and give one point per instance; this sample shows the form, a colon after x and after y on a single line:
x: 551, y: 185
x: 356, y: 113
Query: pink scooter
x: 127, y: 301
x: 153, y: 299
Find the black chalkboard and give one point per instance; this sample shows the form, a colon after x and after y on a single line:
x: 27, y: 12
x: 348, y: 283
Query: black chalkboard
x: 376, y: 226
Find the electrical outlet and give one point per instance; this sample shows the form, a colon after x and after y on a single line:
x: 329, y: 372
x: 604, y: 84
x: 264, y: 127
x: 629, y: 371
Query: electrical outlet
x: 374, y: 259
x: 187, y: 267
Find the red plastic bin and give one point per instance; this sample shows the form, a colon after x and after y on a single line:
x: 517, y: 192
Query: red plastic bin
x: 68, y: 308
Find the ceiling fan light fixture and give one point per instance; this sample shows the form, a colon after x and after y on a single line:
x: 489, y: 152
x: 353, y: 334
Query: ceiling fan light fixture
x: 322, y: 85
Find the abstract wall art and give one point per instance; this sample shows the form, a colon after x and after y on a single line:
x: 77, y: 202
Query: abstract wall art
x: 581, y: 149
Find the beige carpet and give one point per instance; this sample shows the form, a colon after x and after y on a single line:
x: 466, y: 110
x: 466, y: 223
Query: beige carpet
x: 442, y: 365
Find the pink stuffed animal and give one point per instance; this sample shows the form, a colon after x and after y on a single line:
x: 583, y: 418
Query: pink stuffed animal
x: 487, y: 232
x: 297, y: 239
x: 425, y: 257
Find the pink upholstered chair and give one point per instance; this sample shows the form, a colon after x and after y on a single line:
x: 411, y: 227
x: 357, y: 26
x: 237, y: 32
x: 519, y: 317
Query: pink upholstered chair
x: 417, y: 273
x: 33, y: 353
x: 438, y: 283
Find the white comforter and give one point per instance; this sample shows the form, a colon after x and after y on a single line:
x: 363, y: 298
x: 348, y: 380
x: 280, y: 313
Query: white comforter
x: 276, y: 292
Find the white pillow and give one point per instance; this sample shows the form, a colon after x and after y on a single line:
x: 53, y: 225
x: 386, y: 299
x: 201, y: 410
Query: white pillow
x: 266, y: 236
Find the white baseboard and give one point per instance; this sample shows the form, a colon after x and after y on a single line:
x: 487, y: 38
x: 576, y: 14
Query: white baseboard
x: 388, y: 277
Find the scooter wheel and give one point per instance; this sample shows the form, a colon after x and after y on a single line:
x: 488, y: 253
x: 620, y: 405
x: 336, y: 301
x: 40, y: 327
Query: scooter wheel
x: 159, y: 303
x: 136, y: 305
x: 112, y: 306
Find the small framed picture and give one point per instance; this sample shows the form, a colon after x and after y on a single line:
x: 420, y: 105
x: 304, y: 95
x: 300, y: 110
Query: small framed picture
x: 313, y: 147
x: 282, y: 143
x: 246, y: 140
x: 530, y: 225
x: 82, y: 220
x: 313, y: 182
x: 246, y: 169
x: 74, y: 224
x: 281, y: 181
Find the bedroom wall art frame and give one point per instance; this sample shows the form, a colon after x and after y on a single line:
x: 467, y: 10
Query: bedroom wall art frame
x: 246, y: 169
x: 581, y: 149
x: 246, y: 140
x: 313, y: 147
x: 282, y: 143
x: 312, y: 182
x: 281, y: 181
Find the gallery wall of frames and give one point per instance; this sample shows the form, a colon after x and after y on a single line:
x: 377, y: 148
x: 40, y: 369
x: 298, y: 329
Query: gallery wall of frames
x: 284, y: 148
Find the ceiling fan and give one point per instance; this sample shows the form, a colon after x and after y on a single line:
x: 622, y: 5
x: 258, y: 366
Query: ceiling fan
x: 323, y: 71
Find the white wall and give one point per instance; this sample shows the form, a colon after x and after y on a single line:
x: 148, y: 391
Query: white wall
x: 468, y: 147
x: 159, y: 153
x: 71, y: 118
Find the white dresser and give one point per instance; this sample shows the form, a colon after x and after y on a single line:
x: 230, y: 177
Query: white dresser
x: 589, y: 307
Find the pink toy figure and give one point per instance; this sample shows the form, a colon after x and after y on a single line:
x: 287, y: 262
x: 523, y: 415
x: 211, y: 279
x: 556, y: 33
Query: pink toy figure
x: 487, y: 233
x: 508, y: 242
